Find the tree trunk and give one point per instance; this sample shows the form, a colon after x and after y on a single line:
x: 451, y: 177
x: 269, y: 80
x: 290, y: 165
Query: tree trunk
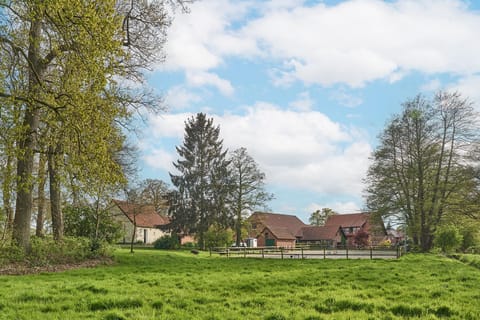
x: 6, y: 194
x: 55, y: 195
x: 42, y: 175
x: 28, y: 142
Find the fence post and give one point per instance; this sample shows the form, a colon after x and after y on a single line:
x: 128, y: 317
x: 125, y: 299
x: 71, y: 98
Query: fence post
x: 263, y: 254
x: 324, y: 256
x: 281, y: 252
x: 244, y: 252
x: 228, y: 252
x: 346, y: 251
x: 371, y: 253
x: 302, y: 253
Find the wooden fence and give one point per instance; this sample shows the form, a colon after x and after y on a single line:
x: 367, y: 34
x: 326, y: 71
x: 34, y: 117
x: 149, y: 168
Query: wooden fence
x: 310, y: 252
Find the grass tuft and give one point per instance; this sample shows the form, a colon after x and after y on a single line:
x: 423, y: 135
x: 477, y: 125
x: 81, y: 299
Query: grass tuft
x: 407, y: 311
x: 115, y: 304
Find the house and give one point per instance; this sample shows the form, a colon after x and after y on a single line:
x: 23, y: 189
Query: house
x: 147, y: 221
x: 274, y: 229
x: 330, y: 236
x: 352, y: 224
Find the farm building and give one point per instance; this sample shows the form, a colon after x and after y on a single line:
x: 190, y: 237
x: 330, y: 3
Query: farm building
x: 274, y: 229
x: 330, y: 236
x: 148, y: 222
x: 352, y: 224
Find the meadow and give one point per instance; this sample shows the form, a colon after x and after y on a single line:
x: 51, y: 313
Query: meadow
x: 152, y: 284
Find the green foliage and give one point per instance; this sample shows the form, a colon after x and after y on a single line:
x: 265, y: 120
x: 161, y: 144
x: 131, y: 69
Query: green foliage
x: 248, y: 188
x: 421, y: 173
x: 319, y: 217
x: 46, y: 251
x: 218, y: 236
x: 470, y: 236
x: 203, y: 185
x: 169, y: 242
x: 448, y: 238
x: 97, y: 225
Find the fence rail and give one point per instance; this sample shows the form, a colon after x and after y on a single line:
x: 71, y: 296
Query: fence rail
x: 310, y: 252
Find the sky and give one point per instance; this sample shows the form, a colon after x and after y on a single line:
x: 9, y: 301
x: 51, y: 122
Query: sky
x: 307, y: 86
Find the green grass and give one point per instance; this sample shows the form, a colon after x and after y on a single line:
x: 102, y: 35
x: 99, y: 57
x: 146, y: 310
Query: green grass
x: 178, y: 285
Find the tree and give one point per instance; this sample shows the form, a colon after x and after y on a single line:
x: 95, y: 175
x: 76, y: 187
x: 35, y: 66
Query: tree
x: 421, y: 171
x: 248, y: 188
x: 60, y: 66
x: 218, y: 236
x: 448, y: 238
x: 202, y: 187
x: 88, y: 221
x: 319, y: 217
x: 155, y: 192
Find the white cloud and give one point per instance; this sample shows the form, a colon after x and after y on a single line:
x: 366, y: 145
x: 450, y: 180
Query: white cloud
x: 178, y: 98
x: 346, y: 99
x: 432, y: 85
x: 303, y: 150
x: 352, y: 43
x: 198, y: 79
x: 469, y: 88
x: 303, y: 103
x: 338, y: 207
x: 160, y: 159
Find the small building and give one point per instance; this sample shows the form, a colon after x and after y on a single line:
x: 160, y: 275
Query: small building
x: 147, y: 221
x: 273, y: 236
x: 329, y: 236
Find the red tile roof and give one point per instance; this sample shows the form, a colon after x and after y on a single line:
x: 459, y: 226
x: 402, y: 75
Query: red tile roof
x: 280, y: 233
x: 276, y: 221
x: 348, y: 220
x: 145, y: 215
x: 314, y: 233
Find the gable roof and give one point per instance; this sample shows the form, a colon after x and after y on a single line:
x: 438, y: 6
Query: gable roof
x: 280, y: 233
x: 319, y: 233
x: 348, y: 220
x: 276, y: 221
x: 145, y: 215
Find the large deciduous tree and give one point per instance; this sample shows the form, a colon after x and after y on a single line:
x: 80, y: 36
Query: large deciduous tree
x: 248, y: 188
x: 60, y: 91
x: 422, y: 170
x: 202, y: 185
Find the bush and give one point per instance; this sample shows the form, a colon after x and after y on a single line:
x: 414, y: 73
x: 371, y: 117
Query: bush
x: 46, y: 251
x: 167, y: 242
x: 216, y: 236
x: 448, y: 238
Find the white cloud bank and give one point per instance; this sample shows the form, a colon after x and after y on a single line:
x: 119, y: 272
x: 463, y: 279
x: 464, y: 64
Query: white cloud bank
x: 351, y: 43
x: 295, y: 149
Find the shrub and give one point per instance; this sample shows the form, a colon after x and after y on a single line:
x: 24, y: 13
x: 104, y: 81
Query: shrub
x: 167, y: 242
x: 448, y: 238
x: 216, y: 236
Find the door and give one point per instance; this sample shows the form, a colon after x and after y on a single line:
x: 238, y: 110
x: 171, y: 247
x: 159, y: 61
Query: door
x: 270, y: 242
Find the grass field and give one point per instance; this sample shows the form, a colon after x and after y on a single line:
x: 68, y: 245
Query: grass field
x: 178, y: 285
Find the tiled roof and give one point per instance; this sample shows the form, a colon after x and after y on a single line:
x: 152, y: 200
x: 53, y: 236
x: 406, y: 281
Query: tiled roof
x: 278, y: 221
x: 145, y: 215
x: 281, y: 233
x: 319, y: 233
x: 347, y: 220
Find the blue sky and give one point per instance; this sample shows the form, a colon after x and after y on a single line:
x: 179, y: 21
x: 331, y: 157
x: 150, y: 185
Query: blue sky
x: 307, y: 86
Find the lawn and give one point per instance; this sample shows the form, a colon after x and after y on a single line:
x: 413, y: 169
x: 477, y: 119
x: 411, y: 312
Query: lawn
x: 179, y: 285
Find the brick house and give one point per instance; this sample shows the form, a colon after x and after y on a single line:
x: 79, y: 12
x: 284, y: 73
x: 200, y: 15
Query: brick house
x: 274, y: 229
x: 330, y: 236
x: 148, y: 222
x: 353, y: 223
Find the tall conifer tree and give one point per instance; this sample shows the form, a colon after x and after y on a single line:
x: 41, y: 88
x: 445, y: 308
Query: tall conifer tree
x: 203, y: 183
